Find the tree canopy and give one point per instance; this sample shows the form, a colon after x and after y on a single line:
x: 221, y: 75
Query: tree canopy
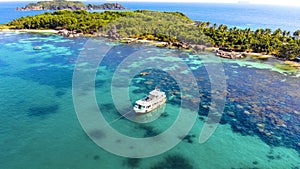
x: 162, y: 26
x: 81, y: 21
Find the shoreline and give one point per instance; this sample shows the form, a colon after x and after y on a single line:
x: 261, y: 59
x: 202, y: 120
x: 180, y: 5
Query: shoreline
x: 30, y: 30
x: 161, y: 44
x: 136, y: 40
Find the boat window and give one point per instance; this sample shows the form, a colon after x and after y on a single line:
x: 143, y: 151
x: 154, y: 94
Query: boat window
x: 140, y: 106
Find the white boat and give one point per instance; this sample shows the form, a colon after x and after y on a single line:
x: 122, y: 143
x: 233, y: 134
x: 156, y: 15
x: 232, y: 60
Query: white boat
x: 155, y: 99
x: 151, y: 116
x: 37, y: 48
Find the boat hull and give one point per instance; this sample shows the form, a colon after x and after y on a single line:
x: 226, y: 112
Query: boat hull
x: 154, y: 107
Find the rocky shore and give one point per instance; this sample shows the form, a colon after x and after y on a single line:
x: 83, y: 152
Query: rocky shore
x: 229, y: 55
x: 112, y: 34
x: 70, y: 34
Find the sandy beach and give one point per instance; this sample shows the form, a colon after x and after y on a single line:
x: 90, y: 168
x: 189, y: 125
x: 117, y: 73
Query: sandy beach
x: 30, y: 30
x: 129, y: 40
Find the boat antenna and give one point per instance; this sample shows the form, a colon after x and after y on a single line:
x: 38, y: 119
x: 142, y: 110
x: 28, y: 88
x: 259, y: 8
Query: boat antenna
x: 156, y: 88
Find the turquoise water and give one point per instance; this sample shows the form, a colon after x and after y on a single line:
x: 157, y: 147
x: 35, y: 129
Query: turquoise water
x: 40, y: 128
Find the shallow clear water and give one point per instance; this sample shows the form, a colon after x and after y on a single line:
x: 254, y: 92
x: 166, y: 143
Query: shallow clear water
x: 40, y: 128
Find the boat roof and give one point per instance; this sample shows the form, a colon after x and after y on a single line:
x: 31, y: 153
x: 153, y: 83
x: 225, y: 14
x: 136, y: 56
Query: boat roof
x: 143, y: 102
x: 156, y: 92
x: 148, y: 100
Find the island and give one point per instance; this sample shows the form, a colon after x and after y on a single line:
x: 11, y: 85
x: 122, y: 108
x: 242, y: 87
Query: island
x: 69, y: 5
x: 173, y: 28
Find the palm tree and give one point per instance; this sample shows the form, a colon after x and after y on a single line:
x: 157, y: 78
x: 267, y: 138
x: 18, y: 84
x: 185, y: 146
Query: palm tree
x: 277, y: 32
x: 296, y: 34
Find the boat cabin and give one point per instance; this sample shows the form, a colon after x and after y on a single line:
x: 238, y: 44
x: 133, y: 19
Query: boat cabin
x: 151, y: 102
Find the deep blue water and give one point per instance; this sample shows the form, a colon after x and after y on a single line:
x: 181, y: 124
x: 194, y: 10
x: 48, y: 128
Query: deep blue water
x: 40, y: 128
x: 239, y: 15
x: 8, y: 11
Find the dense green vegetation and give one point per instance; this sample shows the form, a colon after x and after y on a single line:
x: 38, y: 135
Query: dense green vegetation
x: 54, y: 5
x: 162, y: 26
x: 170, y: 27
x: 106, y: 6
x: 81, y: 21
x: 71, y: 5
x: 279, y: 43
